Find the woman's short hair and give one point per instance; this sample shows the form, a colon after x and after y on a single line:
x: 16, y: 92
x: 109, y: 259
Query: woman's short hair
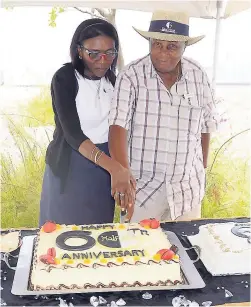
x: 91, y: 28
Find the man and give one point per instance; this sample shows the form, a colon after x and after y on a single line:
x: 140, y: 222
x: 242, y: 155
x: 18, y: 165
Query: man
x: 161, y: 118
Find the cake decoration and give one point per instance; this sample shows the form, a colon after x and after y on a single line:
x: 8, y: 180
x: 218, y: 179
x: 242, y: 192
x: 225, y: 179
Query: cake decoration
x: 150, y: 223
x: 121, y: 226
x: 49, y: 226
x: 66, y: 256
x: 104, y: 256
x: 90, y: 241
x: 223, y: 246
x: 51, y: 252
x: 166, y: 254
x: 136, y: 258
x: 174, y: 248
x: 103, y: 260
x: 142, y: 232
x: 110, y: 239
x: 57, y: 261
x: 97, y: 227
x: 49, y: 258
x: 75, y: 227
x: 120, y: 259
x: 242, y: 230
x: 157, y: 257
x: 107, y: 255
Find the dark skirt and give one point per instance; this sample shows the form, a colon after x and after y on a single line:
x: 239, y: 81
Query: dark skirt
x: 86, y: 198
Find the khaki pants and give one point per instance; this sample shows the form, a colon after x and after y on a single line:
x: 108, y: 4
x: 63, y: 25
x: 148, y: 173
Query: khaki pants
x: 195, y: 213
x: 158, y: 208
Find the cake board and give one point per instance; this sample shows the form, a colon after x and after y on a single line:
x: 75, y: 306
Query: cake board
x: 191, y: 277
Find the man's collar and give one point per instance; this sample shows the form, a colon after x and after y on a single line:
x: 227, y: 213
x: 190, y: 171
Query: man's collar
x: 184, y: 68
x: 151, y: 70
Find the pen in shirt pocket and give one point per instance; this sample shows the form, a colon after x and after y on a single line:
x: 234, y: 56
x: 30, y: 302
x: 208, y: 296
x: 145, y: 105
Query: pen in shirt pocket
x: 188, y: 97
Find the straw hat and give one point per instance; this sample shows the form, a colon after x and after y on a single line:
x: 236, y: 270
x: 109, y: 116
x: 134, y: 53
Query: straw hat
x: 170, y: 26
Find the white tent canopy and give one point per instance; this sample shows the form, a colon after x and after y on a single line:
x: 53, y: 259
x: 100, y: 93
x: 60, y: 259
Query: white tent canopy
x: 196, y: 8
x: 210, y: 9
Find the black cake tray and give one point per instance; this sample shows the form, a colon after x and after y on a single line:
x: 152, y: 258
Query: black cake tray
x: 191, y: 277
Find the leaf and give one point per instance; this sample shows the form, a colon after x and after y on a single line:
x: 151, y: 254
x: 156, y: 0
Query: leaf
x: 52, y: 24
x: 55, y: 11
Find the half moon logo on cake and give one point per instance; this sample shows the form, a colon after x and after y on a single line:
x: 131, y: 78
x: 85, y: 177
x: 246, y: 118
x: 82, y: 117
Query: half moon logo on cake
x: 109, y: 239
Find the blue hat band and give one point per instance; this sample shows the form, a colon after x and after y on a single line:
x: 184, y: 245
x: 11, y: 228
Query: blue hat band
x: 169, y: 27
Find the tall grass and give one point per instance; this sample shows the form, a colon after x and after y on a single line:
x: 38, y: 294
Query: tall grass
x: 21, y: 183
x: 228, y: 182
x: 38, y: 112
x: 228, y: 177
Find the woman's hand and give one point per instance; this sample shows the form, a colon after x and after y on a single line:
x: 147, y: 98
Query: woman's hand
x: 123, y: 188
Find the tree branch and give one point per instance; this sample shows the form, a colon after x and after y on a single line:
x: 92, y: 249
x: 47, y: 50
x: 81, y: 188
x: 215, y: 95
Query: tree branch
x: 86, y: 12
x: 101, y: 12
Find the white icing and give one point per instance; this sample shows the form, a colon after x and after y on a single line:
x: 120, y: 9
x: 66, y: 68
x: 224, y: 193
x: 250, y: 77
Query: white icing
x: 9, y: 242
x: 151, y: 244
x: 222, y: 252
x: 105, y: 275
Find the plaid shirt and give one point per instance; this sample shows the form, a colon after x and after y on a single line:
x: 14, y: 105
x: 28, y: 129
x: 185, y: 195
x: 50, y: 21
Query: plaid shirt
x: 164, y: 131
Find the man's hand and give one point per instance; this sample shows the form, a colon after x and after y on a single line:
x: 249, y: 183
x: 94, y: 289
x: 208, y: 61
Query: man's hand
x: 131, y: 201
x: 123, y: 188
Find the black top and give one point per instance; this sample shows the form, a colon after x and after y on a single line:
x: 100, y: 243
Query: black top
x: 68, y: 134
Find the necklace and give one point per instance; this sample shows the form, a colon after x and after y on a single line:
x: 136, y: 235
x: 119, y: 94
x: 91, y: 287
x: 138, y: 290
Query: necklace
x: 96, y: 86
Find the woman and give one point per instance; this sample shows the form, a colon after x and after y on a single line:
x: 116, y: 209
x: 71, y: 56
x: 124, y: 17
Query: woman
x: 79, y: 173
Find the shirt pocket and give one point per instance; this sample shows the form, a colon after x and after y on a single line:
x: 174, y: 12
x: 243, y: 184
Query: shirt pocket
x: 186, y: 114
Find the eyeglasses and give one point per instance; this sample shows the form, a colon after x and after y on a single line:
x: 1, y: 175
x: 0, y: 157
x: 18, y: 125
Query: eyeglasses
x: 96, y: 55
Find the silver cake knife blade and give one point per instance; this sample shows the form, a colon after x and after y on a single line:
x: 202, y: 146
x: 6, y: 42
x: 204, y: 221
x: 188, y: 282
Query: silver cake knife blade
x: 123, y: 219
x: 123, y: 214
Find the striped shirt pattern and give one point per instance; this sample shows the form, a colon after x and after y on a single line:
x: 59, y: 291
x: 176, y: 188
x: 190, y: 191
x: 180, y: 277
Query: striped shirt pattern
x: 164, y: 131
